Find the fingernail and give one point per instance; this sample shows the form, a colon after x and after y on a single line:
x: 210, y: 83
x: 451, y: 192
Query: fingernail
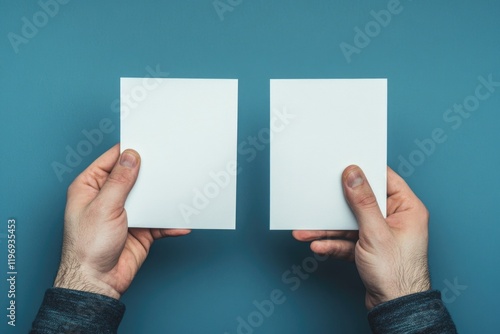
x: 354, y: 179
x: 128, y: 160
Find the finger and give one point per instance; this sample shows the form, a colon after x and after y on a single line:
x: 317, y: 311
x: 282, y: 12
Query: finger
x: 147, y: 236
x: 362, y: 200
x: 339, y: 249
x: 120, y: 181
x: 303, y: 235
x: 108, y: 159
x: 163, y: 233
x: 95, y: 174
x: 396, y: 184
x: 400, y: 196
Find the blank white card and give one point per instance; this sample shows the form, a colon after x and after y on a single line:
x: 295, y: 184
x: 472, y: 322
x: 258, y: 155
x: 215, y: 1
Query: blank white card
x: 319, y: 127
x: 186, y: 133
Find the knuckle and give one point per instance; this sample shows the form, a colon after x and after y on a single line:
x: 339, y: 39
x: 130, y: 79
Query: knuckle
x: 119, y: 178
x: 71, y: 189
x: 423, y: 211
x: 426, y: 214
x: 365, y: 200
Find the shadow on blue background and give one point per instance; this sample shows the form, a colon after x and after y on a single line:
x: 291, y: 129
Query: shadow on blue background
x: 64, y: 78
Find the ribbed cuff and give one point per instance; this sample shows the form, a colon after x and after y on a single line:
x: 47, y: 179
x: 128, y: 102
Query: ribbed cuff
x: 422, y: 312
x: 72, y: 311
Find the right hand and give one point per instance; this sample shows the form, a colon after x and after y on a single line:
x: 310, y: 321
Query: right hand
x: 391, y: 253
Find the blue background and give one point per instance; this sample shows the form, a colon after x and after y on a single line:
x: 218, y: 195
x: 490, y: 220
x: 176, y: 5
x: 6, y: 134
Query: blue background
x: 66, y: 77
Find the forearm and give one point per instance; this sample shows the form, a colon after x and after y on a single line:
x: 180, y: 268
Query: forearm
x: 416, y: 313
x: 72, y: 311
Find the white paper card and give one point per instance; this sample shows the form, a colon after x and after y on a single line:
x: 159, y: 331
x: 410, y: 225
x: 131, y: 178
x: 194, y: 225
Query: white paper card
x: 329, y: 125
x: 186, y: 133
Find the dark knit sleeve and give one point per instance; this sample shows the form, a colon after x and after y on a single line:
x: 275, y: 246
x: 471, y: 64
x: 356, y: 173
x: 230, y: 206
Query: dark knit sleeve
x: 417, y: 313
x: 72, y: 311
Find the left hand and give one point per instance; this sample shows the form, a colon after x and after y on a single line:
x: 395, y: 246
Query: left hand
x: 100, y: 253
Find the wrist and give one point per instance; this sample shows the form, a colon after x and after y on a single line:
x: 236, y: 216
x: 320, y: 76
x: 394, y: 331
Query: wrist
x: 77, y: 278
x: 399, y: 289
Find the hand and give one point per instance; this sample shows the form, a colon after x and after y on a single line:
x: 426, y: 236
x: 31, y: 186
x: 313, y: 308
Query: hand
x: 391, y: 253
x: 100, y: 253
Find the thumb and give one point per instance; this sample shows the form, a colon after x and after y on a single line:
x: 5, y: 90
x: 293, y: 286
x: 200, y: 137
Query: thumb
x: 120, y: 181
x: 362, y: 200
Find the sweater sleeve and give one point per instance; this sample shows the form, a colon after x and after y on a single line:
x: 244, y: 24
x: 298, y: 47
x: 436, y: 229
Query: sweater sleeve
x: 72, y: 311
x: 422, y: 312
